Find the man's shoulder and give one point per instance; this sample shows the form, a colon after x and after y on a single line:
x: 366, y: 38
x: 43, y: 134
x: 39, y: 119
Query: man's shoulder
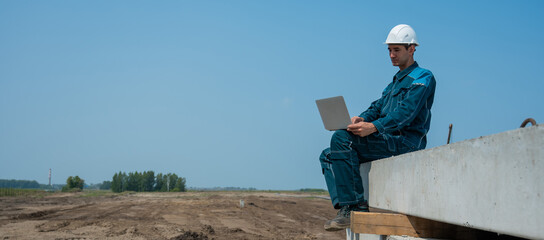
x: 421, y: 76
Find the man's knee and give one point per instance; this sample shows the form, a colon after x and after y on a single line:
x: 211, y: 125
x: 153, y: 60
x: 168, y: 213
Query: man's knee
x: 341, y: 145
x: 340, y: 137
x: 325, y: 156
x: 325, y: 160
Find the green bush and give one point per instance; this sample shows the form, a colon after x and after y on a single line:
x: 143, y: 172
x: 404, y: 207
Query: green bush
x: 73, y: 184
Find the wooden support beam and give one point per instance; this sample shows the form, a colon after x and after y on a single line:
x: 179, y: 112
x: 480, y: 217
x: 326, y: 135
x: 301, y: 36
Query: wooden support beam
x: 387, y: 223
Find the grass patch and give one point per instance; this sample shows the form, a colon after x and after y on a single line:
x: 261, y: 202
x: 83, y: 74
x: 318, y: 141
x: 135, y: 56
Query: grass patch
x: 313, y: 190
x: 19, y: 192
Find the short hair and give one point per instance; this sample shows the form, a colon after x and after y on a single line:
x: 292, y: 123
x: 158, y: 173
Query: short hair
x: 408, y: 46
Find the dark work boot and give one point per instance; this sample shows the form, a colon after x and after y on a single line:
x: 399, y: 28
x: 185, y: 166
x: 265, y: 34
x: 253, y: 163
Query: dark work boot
x: 341, y: 221
x: 361, y: 207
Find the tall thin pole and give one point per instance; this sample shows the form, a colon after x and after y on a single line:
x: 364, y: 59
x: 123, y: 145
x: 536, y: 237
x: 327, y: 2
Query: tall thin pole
x: 50, y: 177
x: 449, y: 133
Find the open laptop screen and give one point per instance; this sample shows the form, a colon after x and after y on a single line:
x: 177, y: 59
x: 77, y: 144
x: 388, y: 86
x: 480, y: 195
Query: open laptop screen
x: 334, y: 113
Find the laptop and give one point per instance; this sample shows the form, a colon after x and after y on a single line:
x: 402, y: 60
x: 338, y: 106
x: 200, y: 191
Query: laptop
x: 334, y: 113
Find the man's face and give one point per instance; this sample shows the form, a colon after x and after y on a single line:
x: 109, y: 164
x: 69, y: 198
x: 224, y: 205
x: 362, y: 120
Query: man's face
x: 400, y: 56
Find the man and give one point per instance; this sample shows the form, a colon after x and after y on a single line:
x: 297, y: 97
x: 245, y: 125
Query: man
x: 396, y: 123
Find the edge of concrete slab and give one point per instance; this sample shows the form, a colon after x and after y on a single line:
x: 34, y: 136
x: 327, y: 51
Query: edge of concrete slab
x: 493, y: 183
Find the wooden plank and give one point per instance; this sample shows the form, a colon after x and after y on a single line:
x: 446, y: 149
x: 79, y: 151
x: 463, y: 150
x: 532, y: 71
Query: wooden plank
x: 380, y: 223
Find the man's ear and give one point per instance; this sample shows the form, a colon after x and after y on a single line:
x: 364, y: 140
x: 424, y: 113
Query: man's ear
x: 412, y: 49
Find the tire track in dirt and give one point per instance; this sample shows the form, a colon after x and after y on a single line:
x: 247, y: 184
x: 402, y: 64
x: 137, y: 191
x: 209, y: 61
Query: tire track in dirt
x: 39, y: 215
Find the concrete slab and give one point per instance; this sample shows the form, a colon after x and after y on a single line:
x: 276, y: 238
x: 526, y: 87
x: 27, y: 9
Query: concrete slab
x: 493, y: 183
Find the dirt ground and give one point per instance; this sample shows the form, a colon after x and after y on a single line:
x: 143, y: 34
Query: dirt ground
x: 190, y: 215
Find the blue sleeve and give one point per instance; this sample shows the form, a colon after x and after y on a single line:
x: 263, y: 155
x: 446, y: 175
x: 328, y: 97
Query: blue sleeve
x: 374, y: 111
x: 408, y: 108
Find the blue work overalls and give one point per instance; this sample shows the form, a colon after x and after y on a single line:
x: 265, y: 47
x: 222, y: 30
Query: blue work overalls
x: 402, y: 117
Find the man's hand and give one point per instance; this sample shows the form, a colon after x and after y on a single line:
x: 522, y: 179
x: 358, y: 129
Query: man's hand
x: 357, y: 119
x: 361, y: 128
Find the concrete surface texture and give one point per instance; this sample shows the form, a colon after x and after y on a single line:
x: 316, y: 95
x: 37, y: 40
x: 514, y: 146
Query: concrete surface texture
x: 493, y: 183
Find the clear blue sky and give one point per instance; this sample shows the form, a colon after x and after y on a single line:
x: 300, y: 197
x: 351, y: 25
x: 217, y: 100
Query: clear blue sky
x: 222, y: 92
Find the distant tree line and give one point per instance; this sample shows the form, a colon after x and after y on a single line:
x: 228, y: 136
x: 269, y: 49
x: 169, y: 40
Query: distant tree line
x: 28, y: 184
x: 4, y: 183
x: 147, y: 181
x: 105, y: 185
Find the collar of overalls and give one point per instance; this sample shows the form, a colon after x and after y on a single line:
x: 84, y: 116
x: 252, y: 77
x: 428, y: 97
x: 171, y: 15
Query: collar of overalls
x: 401, y: 74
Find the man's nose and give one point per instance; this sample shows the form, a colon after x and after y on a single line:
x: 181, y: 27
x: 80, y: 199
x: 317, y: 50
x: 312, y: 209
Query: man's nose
x: 391, y: 55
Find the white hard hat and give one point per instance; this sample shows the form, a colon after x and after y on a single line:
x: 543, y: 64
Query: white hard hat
x: 402, y: 34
